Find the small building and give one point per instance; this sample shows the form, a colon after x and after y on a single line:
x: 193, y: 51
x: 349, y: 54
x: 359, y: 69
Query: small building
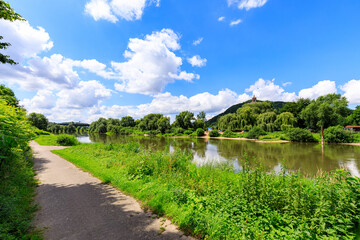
x: 253, y: 100
x: 353, y: 128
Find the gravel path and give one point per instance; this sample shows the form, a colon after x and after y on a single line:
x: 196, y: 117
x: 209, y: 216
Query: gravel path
x: 75, y: 205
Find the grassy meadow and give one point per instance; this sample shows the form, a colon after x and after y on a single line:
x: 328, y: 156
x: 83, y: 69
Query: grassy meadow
x: 216, y: 203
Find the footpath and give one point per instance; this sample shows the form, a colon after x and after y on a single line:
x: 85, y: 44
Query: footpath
x: 77, y: 206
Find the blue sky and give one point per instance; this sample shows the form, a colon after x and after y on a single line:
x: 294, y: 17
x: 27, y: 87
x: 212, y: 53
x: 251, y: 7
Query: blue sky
x: 111, y: 58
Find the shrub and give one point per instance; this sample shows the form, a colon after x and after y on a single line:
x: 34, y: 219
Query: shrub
x: 188, y: 132
x: 199, y: 132
x: 178, y: 130
x: 214, y: 133
x: 255, y: 133
x: 230, y: 134
x: 67, y: 140
x: 40, y: 132
x: 336, y: 134
x: 300, y: 135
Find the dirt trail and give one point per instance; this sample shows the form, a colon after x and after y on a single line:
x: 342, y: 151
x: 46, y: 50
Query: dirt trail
x: 76, y: 206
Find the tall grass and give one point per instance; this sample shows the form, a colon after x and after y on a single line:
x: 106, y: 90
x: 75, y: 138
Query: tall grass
x: 213, y: 202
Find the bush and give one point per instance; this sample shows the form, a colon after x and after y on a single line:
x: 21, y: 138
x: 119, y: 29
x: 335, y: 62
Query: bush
x: 300, y: 135
x: 230, y: 134
x: 255, y: 133
x: 199, y: 132
x: 336, y: 134
x: 214, y: 133
x: 67, y: 140
x: 188, y: 132
x: 40, y: 132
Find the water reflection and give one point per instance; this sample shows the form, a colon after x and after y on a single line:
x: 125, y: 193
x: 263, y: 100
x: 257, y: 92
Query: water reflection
x: 308, y: 158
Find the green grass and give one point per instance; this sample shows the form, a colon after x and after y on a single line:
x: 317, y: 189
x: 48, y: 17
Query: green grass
x: 216, y: 203
x: 274, y: 136
x: 47, y: 140
x: 16, y: 197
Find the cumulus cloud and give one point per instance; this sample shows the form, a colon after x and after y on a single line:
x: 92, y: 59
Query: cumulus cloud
x: 268, y: 90
x: 111, y: 10
x: 247, y: 4
x: 286, y: 84
x: 100, y: 10
x: 43, y: 100
x: 86, y: 94
x: 352, y: 91
x: 320, y: 89
x: 222, y: 18
x: 198, y: 41
x: 197, y: 61
x: 151, y: 64
x: 26, y: 41
x: 235, y: 22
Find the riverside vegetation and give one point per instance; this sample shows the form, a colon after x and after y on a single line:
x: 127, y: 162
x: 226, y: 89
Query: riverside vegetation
x: 213, y: 202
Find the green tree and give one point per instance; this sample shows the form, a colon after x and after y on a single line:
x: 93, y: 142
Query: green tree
x: 8, y: 95
x: 266, y: 121
x: 184, y: 120
x: 296, y: 108
x: 355, y: 116
x: 229, y: 122
x: 201, y: 115
x: 199, y: 123
x: 149, y: 122
x: 247, y: 117
x: 285, y: 121
x: 38, y: 120
x: 163, y: 124
x: 7, y: 13
x: 127, y: 121
x: 325, y: 111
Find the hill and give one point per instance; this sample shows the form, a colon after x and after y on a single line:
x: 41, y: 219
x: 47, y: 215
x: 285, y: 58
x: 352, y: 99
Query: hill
x: 277, y: 105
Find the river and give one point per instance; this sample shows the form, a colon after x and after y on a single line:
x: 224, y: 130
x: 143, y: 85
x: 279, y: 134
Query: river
x: 309, y: 158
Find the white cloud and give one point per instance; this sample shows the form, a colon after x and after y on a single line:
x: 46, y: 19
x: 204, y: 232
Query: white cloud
x: 151, y: 64
x: 268, y: 90
x: 128, y: 10
x: 197, y: 61
x: 25, y: 40
x: 86, y: 94
x: 247, y: 4
x: 320, y: 89
x: 222, y: 18
x: 286, y: 84
x: 100, y: 9
x: 235, y: 22
x: 44, y: 99
x: 352, y: 91
x: 198, y: 41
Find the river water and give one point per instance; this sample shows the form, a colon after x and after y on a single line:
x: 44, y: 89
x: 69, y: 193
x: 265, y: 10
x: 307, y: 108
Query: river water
x: 309, y: 158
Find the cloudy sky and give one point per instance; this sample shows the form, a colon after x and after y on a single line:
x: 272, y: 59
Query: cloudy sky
x: 85, y: 59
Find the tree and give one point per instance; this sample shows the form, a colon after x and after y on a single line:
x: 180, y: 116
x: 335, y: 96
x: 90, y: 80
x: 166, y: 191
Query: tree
x: 127, y: 122
x: 355, y: 116
x: 38, y: 120
x: 184, y: 120
x: 229, y: 122
x: 8, y: 95
x: 266, y: 121
x: 325, y: 111
x: 285, y: 121
x: 163, y: 124
x: 149, y: 122
x: 201, y: 115
x: 7, y: 13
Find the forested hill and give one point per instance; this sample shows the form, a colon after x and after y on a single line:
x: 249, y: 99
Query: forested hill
x: 233, y: 108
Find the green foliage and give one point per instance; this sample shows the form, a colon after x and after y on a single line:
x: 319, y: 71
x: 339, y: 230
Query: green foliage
x: 8, y: 95
x: 229, y: 122
x: 127, y: 121
x: 337, y: 134
x: 16, y: 173
x: 184, y: 120
x: 214, y: 133
x: 216, y: 203
x: 266, y: 121
x: 199, y: 123
x: 7, y: 13
x: 285, y: 121
x: 355, y: 116
x: 255, y: 133
x: 230, y: 134
x: 47, y: 140
x: 38, y: 120
x: 201, y: 115
x: 15, y: 130
x: 66, y: 140
x: 300, y: 135
x: 199, y: 132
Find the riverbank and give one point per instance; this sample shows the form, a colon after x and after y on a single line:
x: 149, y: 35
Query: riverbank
x: 216, y: 203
